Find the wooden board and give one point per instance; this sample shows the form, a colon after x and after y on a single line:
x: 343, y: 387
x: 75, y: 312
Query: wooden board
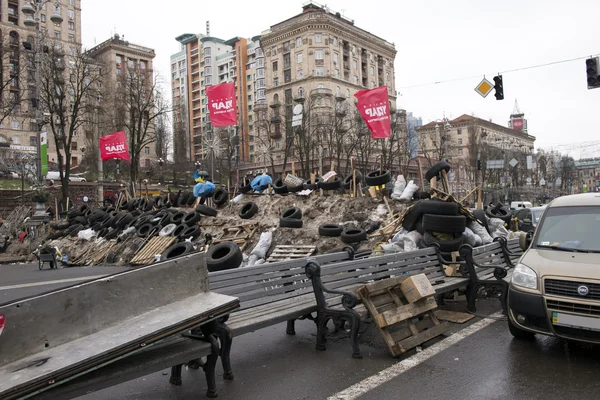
x: 238, y: 234
x: 156, y: 245
x: 453, y: 316
x: 402, y: 325
x: 282, y: 253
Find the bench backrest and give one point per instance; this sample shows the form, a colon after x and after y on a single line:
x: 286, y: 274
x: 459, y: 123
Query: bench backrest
x: 266, y: 283
x: 36, y: 323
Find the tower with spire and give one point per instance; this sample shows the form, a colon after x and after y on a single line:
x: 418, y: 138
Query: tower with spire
x: 517, y: 119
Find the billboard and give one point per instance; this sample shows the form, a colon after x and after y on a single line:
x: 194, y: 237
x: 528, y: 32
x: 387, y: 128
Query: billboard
x: 518, y: 124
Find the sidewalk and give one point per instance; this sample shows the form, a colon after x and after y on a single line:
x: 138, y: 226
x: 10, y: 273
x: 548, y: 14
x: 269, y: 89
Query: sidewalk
x: 7, y: 259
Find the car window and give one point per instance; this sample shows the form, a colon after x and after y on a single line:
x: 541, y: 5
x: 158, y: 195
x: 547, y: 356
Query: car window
x: 537, y: 214
x: 522, y: 214
x: 571, y: 228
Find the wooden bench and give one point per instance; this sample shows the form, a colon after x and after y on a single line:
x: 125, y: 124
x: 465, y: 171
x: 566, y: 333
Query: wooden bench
x: 269, y: 294
x: 334, y: 284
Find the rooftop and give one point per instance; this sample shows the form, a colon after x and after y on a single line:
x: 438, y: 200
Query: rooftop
x: 463, y: 119
x: 118, y: 40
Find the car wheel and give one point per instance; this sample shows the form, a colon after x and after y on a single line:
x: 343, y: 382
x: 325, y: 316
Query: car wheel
x: 519, y: 333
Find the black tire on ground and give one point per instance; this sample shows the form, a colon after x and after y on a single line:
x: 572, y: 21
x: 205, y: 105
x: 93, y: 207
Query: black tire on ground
x: 519, y: 333
x: 419, y: 226
x: 183, y: 198
x: 107, y: 221
x: 191, y: 200
x: 311, y: 186
x: 178, y: 217
x: 80, y: 220
x: 165, y: 220
x: 96, y: 227
x: 378, y: 178
x: 61, y: 226
x: 84, y: 208
x: 480, y: 215
x: 112, y: 234
x: 436, y: 169
x: 248, y: 210
x: 177, y: 250
x: 191, y: 231
x: 502, y: 213
x: 354, y: 235
x: 124, y: 205
x: 145, y: 204
x: 124, y: 221
x: 223, y: 256
x: 191, y: 219
x: 279, y: 187
x: 420, y: 195
x: 145, y: 229
x: 292, y: 213
x: 141, y: 220
x: 221, y: 196
x: 290, y: 223
x: 444, y: 223
x: 439, y: 207
x: 244, y: 186
x: 179, y: 230
x: 446, y: 246
x: 102, y: 232
x: 334, y: 185
x: 330, y: 230
x: 295, y: 189
x: 412, y: 216
x: 97, y: 216
x: 348, y: 181
x: 76, y: 230
x: 73, y: 213
x: 206, y: 210
x: 55, y: 235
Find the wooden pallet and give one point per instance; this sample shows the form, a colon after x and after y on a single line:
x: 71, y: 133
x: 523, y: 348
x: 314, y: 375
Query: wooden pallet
x: 282, y: 253
x: 403, y: 325
x: 156, y: 245
x: 238, y: 234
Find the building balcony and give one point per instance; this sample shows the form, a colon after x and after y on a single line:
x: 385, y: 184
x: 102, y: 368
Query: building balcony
x: 275, y: 119
x: 275, y: 104
x: 321, y: 92
x: 274, y: 134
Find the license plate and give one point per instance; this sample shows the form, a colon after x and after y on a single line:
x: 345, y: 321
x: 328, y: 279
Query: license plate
x: 576, y: 321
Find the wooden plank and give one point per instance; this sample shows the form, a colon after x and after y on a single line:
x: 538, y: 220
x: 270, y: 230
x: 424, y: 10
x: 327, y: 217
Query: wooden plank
x: 381, y: 287
x: 453, y: 316
x: 407, y: 344
x: 403, y: 331
x: 392, y: 317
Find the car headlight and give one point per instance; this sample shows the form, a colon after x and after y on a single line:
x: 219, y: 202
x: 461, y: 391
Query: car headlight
x: 525, y: 277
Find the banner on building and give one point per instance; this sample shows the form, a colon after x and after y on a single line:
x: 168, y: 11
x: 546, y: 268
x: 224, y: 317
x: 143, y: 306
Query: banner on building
x: 221, y: 104
x: 374, y: 106
x: 114, y: 146
x: 44, y: 152
x: 518, y: 124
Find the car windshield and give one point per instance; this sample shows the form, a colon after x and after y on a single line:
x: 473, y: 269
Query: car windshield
x: 570, y: 229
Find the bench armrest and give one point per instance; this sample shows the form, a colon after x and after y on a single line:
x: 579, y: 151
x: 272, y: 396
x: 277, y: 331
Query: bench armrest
x: 466, y: 252
x: 507, y: 253
x: 313, y: 272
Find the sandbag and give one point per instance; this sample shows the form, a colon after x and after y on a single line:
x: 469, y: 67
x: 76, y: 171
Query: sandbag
x: 471, y: 238
x: 399, y: 187
x: 481, y: 232
x: 203, y: 189
x: 261, y: 182
x: 409, y: 191
x: 263, y: 245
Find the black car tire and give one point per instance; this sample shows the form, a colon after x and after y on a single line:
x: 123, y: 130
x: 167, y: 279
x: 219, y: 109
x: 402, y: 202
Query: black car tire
x: 330, y: 230
x: 378, y: 178
x: 220, y: 197
x: 354, y: 235
x: 412, y: 216
x: 290, y: 223
x: 446, y: 246
x: 438, y: 207
x: 179, y: 230
x: 444, y: 223
x: 248, y: 210
x: 334, y: 185
x: 112, y: 234
x: 124, y: 221
x: 145, y: 229
x: 279, y: 187
x: 481, y: 216
x: 223, y: 256
x: 436, y: 169
x: 206, y: 210
x: 191, y: 231
x: 348, y: 181
x: 292, y: 213
x: 191, y: 219
x: 178, y: 217
x: 420, y: 195
x: 244, y: 187
x: 177, y: 250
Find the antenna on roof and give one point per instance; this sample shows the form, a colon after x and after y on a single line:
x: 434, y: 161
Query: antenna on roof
x: 207, y: 28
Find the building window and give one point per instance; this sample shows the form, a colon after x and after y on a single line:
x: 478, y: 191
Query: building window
x: 43, y: 17
x: 300, y: 74
x: 207, y: 51
x: 119, y: 60
x: 459, y: 131
x: 275, y: 82
x: 249, y: 87
x: 300, y: 92
x: 320, y: 71
x: 286, y: 61
x: 16, y: 140
x: 299, y: 58
x: 16, y: 125
x: 347, y: 93
x: 250, y: 97
x: 320, y: 86
x: 335, y: 58
x: 275, y: 65
x: 387, y: 76
x: 143, y: 65
x: 372, y: 71
x: 71, y: 38
x: 147, y: 150
x: 299, y: 42
x: 336, y: 73
x: 73, y: 145
x: 56, y: 34
x: 71, y: 2
x: 74, y: 161
x: 33, y: 140
x: 71, y: 14
x: 356, y: 79
x: 72, y: 25
x: 318, y: 54
x: 355, y: 65
x: 287, y: 75
x: 318, y: 37
x: 460, y: 142
x: 335, y: 42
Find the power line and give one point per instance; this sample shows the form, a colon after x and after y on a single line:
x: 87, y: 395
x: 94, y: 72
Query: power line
x: 500, y: 72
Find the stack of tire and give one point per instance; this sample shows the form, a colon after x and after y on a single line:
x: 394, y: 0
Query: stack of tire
x: 291, y: 218
x: 348, y: 235
x: 439, y: 222
x: 499, y: 211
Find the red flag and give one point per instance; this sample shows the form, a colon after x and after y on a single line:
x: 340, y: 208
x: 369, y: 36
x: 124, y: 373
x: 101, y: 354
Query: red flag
x: 114, y: 146
x: 374, y: 106
x: 221, y: 104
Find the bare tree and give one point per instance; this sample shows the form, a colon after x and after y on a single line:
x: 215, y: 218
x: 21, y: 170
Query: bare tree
x: 163, y: 136
x: 181, y: 139
x: 136, y: 105
x: 69, y: 89
x: 16, y: 69
x: 435, y: 144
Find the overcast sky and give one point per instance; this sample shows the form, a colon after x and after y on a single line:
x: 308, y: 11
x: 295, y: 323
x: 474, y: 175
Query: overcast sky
x: 437, y: 40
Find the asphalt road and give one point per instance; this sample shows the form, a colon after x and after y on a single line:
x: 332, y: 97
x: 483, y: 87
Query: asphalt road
x: 476, y: 360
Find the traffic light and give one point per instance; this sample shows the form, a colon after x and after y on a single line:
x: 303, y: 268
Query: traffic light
x: 591, y: 69
x: 499, y: 88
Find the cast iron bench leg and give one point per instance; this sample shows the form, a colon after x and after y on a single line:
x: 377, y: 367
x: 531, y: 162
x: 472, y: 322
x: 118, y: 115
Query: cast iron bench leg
x: 210, y: 367
x: 291, y: 327
x: 225, y: 336
x: 175, y: 378
x: 471, y: 294
x: 355, y: 321
x: 321, y: 331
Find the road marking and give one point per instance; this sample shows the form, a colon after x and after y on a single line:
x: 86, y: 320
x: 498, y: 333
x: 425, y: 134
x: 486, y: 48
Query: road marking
x: 24, y: 285
x: 370, y: 383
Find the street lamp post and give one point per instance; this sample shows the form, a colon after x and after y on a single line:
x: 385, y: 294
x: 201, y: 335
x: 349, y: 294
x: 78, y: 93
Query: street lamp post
x: 161, y: 162
x: 32, y: 11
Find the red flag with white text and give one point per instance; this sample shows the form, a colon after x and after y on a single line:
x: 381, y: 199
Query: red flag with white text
x: 221, y: 104
x: 374, y: 106
x: 114, y: 146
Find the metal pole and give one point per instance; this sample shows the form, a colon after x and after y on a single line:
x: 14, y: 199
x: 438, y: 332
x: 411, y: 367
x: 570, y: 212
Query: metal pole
x: 38, y: 111
x: 100, y: 163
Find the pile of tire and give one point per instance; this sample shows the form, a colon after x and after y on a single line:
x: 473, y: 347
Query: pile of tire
x: 348, y: 235
x: 291, y: 218
x: 499, y: 211
x: 438, y: 222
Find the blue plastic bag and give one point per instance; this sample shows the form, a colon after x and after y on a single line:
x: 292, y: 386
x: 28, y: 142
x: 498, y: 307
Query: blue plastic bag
x: 203, y: 189
x: 261, y: 182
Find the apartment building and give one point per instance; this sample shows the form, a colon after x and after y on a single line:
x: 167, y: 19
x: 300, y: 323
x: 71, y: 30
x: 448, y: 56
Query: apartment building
x: 320, y: 53
x: 119, y: 56
x: 18, y: 34
x: 588, y: 174
x: 211, y: 61
x: 179, y: 100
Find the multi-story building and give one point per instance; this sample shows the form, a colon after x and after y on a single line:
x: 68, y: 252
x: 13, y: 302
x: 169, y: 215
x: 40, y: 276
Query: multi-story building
x: 588, y: 174
x: 211, y: 61
x: 17, y: 33
x: 323, y: 56
x: 179, y: 100
x: 464, y: 140
x: 412, y: 139
x: 119, y: 56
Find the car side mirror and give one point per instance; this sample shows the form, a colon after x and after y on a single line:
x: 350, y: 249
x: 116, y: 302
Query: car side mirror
x: 525, y: 240
x: 527, y: 221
